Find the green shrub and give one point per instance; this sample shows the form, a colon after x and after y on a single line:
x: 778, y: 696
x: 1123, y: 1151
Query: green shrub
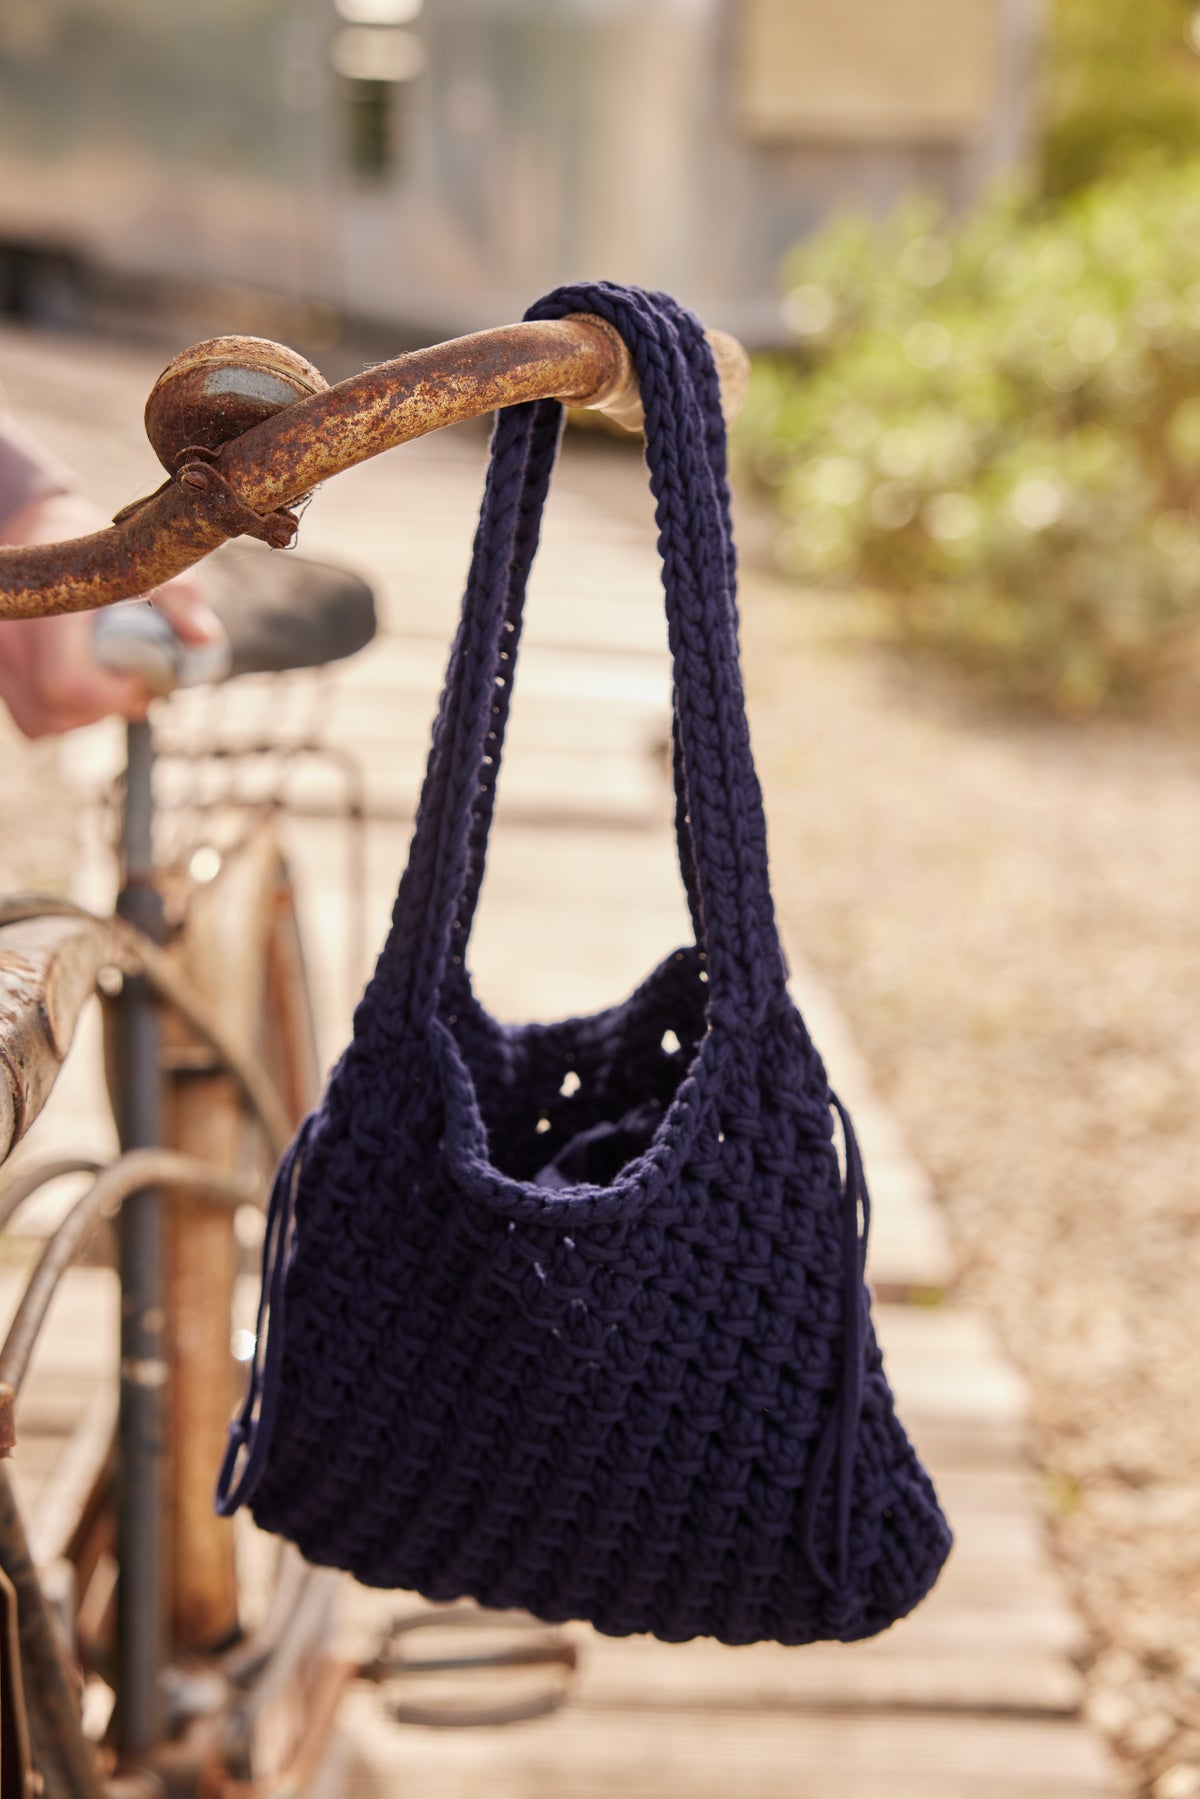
x: 1119, y: 80
x: 998, y: 428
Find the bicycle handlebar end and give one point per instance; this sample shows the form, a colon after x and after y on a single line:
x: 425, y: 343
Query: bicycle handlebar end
x: 733, y: 372
x: 619, y: 399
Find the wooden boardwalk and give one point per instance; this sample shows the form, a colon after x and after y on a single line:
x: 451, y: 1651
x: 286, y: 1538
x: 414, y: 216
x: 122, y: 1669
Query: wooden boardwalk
x: 978, y: 1693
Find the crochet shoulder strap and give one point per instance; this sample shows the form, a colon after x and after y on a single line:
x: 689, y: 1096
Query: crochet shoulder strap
x: 720, y: 823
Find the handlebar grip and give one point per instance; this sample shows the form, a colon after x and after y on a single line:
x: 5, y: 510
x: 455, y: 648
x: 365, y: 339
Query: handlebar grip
x: 279, y: 613
x: 134, y: 638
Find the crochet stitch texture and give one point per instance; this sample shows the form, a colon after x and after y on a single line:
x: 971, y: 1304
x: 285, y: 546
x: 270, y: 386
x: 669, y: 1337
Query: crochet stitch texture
x: 572, y: 1316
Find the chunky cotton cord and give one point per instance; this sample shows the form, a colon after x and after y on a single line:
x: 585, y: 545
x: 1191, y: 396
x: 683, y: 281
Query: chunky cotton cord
x: 561, y: 1316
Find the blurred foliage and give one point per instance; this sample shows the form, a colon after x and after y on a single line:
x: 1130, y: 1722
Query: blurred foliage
x: 996, y: 424
x: 998, y: 428
x: 1120, y: 80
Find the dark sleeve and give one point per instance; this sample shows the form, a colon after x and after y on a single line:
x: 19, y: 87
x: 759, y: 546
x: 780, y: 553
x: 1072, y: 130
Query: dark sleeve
x: 28, y: 471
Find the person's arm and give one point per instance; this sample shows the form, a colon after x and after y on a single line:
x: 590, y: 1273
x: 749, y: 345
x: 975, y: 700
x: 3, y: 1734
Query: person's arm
x: 49, y: 679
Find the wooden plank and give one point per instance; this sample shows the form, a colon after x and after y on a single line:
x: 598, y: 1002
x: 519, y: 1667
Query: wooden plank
x: 626, y: 679
x: 571, y: 919
x: 558, y: 789
x: 596, y: 581
x: 76, y: 1121
x: 963, y: 1405
x: 588, y: 736
x: 50, y: 1405
x: 945, y: 1360
x: 909, y: 1250
x: 407, y: 672
x: 68, y: 1388
x: 975, y: 1664
x: 81, y: 1331
x: 70, y: 1479
x: 1000, y: 1553
x: 585, y: 1753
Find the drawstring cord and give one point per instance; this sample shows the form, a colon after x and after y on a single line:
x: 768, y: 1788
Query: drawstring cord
x: 250, y: 1431
x: 839, y: 1439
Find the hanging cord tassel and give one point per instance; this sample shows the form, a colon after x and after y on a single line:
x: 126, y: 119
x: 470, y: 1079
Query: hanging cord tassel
x: 249, y: 1437
x: 839, y: 1439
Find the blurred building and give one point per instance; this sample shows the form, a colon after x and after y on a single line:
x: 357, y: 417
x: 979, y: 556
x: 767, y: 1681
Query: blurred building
x: 435, y: 164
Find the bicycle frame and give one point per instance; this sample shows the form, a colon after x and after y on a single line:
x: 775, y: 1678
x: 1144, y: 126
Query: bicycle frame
x: 141, y: 1429
x: 138, y: 1184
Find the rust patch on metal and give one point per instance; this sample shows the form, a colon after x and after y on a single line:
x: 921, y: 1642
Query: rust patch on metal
x: 17, y: 968
x: 48, y: 964
x: 220, y: 389
x: 283, y: 457
x: 169, y: 533
x: 236, y: 519
x: 20, y: 1005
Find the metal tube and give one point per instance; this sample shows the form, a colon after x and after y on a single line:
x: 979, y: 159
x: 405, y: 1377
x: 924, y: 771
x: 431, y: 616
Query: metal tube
x: 170, y: 1172
x: 133, y: 953
x: 141, y: 1430
x: 62, y: 1754
x: 22, y: 1186
x: 285, y: 457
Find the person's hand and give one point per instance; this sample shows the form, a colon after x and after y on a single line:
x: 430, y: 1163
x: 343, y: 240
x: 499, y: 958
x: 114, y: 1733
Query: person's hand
x: 49, y: 678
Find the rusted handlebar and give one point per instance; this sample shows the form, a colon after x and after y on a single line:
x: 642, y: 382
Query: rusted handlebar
x: 246, y: 428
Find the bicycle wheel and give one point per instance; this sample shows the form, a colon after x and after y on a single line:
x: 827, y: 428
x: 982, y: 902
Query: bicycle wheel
x: 238, y: 944
x: 244, y: 1706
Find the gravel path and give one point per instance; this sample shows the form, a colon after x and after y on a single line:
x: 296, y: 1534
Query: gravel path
x: 1008, y: 913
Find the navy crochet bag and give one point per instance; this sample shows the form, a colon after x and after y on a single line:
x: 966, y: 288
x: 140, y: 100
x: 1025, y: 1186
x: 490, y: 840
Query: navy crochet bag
x: 564, y: 1316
